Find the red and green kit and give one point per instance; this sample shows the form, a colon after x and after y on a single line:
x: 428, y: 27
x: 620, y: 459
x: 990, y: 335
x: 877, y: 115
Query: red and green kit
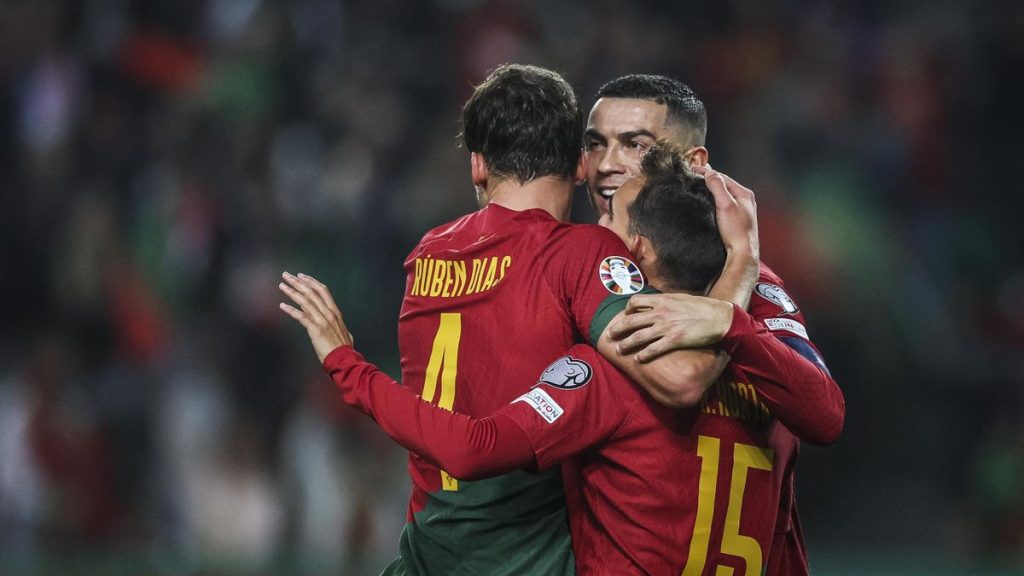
x: 650, y: 490
x: 490, y: 298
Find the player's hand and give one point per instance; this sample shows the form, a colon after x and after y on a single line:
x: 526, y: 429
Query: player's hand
x: 736, y: 211
x: 658, y: 323
x: 317, y: 313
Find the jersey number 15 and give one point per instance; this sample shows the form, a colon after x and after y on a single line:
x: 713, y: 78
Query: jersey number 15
x: 745, y: 457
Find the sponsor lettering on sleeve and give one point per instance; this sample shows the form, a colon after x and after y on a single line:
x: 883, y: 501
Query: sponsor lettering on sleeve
x: 543, y: 404
x: 788, y: 325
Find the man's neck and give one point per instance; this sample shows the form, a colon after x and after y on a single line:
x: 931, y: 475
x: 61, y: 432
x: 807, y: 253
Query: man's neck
x: 656, y: 282
x: 548, y: 193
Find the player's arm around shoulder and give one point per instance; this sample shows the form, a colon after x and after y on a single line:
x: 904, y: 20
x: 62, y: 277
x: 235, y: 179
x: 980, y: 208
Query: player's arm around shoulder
x: 666, y: 341
x: 676, y: 379
x: 604, y: 278
x: 662, y: 340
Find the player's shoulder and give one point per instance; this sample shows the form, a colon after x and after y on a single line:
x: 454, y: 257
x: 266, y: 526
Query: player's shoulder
x: 576, y: 241
x: 772, y: 304
x: 770, y: 290
x: 584, y: 233
x: 443, y: 236
x: 448, y: 229
x: 766, y: 274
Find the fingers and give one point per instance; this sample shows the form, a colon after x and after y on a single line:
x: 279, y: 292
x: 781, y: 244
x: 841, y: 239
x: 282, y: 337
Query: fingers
x: 297, y: 314
x: 739, y: 191
x: 734, y: 188
x: 652, y: 351
x: 628, y: 324
x: 307, y: 295
x: 724, y: 200
x: 639, y: 302
x: 324, y: 292
x: 307, y: 304
x: 637, y: 340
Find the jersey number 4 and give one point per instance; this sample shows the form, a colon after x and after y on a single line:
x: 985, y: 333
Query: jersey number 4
x: 444, y: 363
x: 745, y: 457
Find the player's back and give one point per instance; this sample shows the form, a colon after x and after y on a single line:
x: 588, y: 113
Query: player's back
x: 496, y: 292
x: 707, y: 487
x: 653, y: 490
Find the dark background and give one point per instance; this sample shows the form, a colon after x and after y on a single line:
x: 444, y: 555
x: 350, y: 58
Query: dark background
x: 161, y: 162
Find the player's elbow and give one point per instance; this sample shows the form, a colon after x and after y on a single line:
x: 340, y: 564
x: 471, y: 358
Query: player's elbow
x: 464, y: 463
x: 830, y: 427
x: 690, y: 383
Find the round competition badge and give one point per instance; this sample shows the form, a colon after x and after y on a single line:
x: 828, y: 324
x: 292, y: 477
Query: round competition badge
x: 620, y: 276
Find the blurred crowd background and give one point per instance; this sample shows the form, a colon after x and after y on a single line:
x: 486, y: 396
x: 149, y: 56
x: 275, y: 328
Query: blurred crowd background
x: 161, y: 162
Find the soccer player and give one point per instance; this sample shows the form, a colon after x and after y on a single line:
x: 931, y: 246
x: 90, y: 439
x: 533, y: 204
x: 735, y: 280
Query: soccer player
x: 649, y: 498
x: 631, y: 113
x: 502, y: 291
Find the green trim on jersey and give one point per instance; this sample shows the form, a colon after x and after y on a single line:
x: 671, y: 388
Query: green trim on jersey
x: 607, y: 310
x: 511, y: 525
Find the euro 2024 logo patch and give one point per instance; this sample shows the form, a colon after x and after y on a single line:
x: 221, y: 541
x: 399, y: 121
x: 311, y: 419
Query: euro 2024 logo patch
x: 566, y: 373
x: 620, y: 276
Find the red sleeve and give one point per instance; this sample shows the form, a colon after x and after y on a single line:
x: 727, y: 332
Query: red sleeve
x: 591, y: 270
x: 579, y: 402
x: 467, y: 448
x: 800, y: 392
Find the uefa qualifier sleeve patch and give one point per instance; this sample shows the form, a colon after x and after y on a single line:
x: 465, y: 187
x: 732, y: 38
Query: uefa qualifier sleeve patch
x: 566, y: 373
x: 776, y: 295
x: 620, y: 276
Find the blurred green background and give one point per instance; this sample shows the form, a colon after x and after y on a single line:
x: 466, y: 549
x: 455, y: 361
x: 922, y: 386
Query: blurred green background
x: 161, y: 162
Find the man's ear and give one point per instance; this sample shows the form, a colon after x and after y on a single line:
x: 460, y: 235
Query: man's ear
x: 478, y: 169
x: 642, y: 249
x: 581, y: 170
x: 698, y: 156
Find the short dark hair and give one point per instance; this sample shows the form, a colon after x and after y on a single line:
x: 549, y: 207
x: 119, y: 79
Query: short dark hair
x: 676, y: 212
x: 526, y: 123
x: 684, y: 107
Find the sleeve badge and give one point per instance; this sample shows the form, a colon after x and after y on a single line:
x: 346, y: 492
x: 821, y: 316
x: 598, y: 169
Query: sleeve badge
x: 620, y: 276
x: 776, y: 295
x: 566, y: 373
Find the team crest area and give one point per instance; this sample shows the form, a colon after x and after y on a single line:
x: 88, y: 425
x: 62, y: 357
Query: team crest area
x: 620, y: 276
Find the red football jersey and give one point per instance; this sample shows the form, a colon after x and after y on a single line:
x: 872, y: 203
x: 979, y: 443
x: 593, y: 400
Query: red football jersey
x: 490, y: 298
x: 651, y: 490
x: 658, y: 491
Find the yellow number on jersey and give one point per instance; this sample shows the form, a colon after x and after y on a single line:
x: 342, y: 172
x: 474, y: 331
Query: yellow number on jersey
x: 444, y: 359
x: 745, y: 457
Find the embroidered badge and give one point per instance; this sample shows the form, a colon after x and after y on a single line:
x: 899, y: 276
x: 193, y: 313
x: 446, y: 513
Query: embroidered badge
x: 776, y: 295
x: 620, y: 276
x: 567, y: 373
